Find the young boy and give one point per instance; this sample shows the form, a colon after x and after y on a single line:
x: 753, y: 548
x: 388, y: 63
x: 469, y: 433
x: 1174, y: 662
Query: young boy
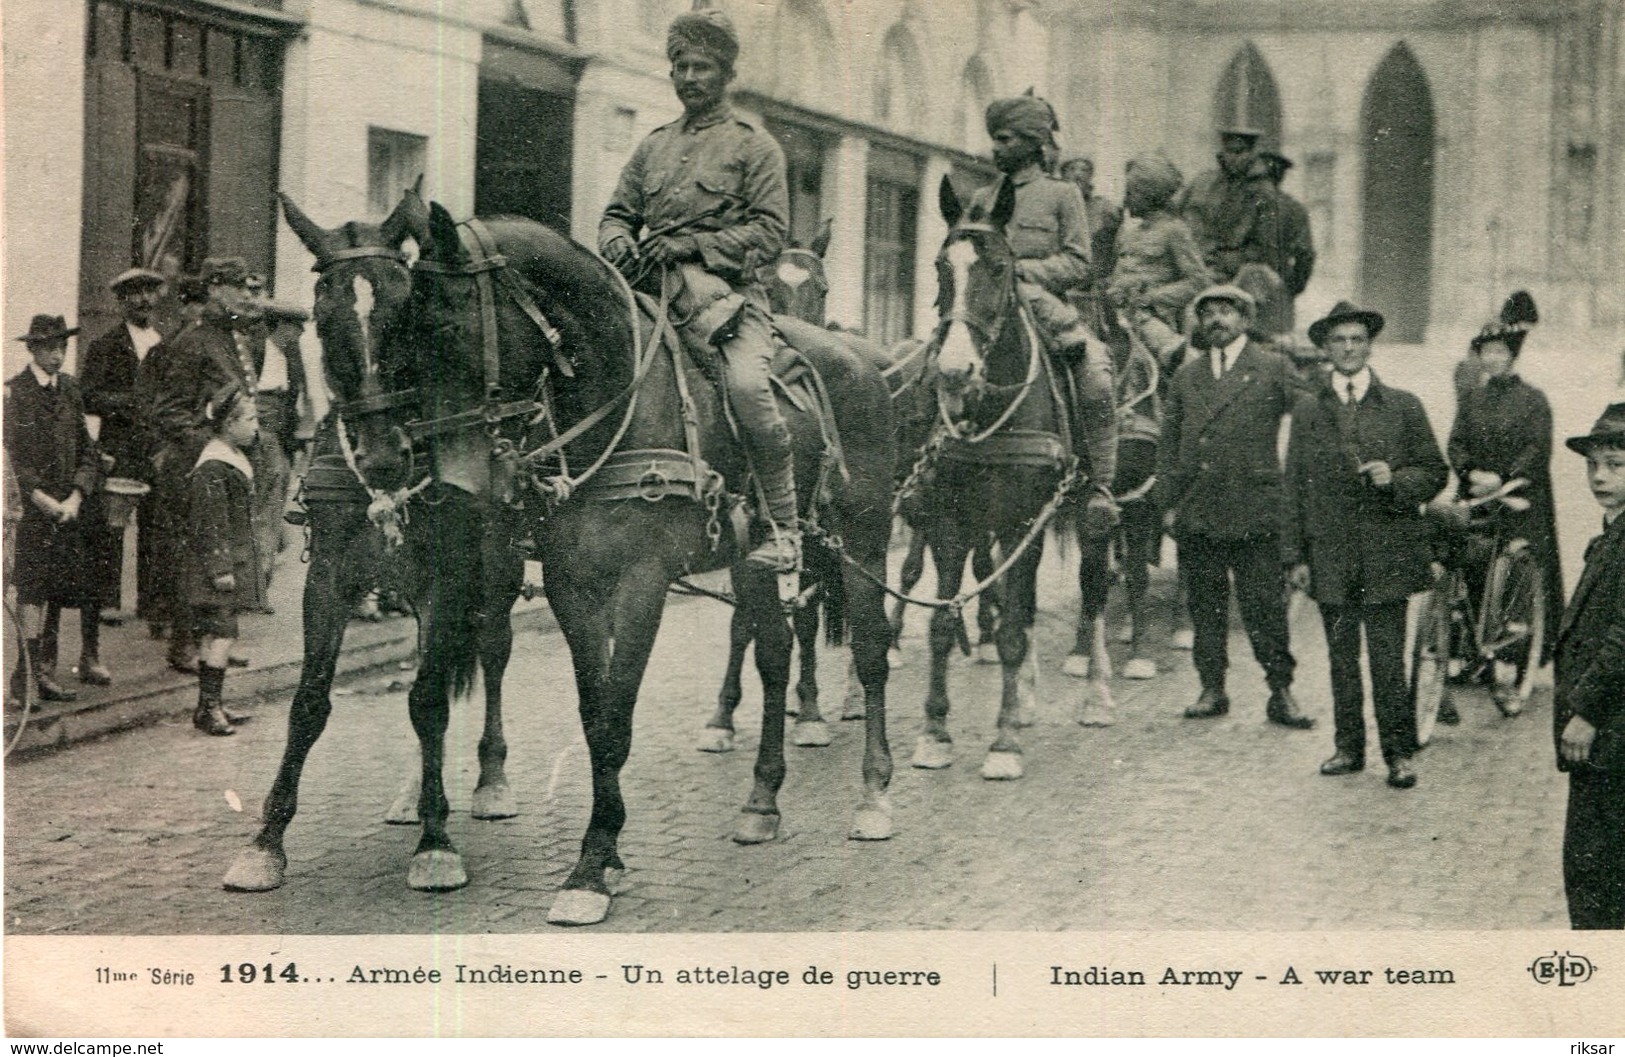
x: 221, y: 561
x: 1588, y: 714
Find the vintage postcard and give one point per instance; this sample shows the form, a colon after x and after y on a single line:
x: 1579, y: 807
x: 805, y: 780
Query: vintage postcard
x: 823, y: 517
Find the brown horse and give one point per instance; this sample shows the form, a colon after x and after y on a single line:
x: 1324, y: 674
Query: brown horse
x: 620, y: 467
x: 362, y: 296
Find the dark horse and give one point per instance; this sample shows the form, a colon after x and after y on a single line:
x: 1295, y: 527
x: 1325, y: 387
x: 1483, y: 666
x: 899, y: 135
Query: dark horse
x: 797, y: 287
x: 362, y: 296
x: 620, y: 468
x: 1003, y: 462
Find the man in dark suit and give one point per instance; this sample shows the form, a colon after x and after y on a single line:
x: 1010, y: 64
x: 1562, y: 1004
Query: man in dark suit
x: 1588, y: 707
x: 1219, y: 485
x: 109, y: 376
x: 1361, y: 461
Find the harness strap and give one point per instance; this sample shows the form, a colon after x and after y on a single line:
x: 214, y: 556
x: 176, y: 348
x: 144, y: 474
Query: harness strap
x: 519, y: 289
x: 477, y: 239
x: 690, y: 413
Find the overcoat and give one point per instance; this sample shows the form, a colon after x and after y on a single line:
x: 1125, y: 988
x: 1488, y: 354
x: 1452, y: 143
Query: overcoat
x: 111, y: 381
x: 1217, y: 466
x: 1364, y: 545
x: 49, y: 449
x: 220, y: 532
x: 1590, y: 655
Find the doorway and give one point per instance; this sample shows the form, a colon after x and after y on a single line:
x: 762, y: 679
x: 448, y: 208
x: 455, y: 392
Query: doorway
x: 1396, y: 265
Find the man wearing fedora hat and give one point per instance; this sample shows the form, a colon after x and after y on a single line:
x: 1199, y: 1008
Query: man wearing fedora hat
x: 1361, y: 461
x: 1219, y: 486
x: 110, y: 376
x: 57, y: 470
x: 1588, y: 701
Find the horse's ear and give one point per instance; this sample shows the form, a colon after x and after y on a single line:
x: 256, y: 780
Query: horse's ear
x: 409, y: 220
x: 310, y: 233
x: 820, y: 242
x: 444, y: 245
x: 1004, y: 204
x: 948, y: 202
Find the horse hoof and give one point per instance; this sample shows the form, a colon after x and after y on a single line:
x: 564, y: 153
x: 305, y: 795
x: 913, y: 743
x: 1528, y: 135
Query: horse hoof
x: 1125, y: 634
x: 814, y: 734
x: 931, y: 754
x: 792, y: 707
x: 854, y: 707
x: 894, y: 657
x: 615, y: 880
x: 987, y: 653
x: 1002, y: 766
x: 1076, y: 665
x: 756, y: 828
x: 872, y: 820
x: 256, y: 870
x: 715, y: 739
x: 1184, y: 639
x: 1022, y: 719
x: 436, y: 870
x: 494, y: 802
x: 578, y: 906
x: 1096, y: 715
x: 404, y: 811
x: 1140, y: 668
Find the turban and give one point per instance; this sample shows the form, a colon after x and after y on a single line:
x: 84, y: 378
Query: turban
x: 1025, y: 115
x: 1157, y: 174
x: 709, y: 31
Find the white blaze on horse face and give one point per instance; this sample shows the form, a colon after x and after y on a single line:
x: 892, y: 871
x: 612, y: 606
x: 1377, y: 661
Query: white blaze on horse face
x: 792, y: 274
x: 362, y: 286
x: 959, y: 360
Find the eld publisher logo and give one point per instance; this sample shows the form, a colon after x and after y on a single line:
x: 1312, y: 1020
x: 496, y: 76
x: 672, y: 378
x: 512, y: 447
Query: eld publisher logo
x: 1564, y: 970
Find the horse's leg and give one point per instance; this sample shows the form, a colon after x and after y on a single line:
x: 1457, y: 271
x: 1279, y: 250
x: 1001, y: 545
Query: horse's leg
x: 1140, y: 535
x: 436, y: 865
x: 493, y: 799
x: 1094, y: 580
x: 1013, y: 638
x: 908, y: 578
x: 610, y: 636
x: 989, y: 604
x: 758, y: 596
x: 810, y: 730
x: 342, y: 558
x: 718, y: 735
x: 934, y: 749
x: 866, y: 620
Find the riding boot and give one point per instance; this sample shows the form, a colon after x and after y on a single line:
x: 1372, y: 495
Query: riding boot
x: 91, y: 669
x: 781, y: 550
x: 746, y: 340
x: 210, y: 714
x: 1094, y: 425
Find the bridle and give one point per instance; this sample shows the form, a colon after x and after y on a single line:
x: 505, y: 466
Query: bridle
x: 986, y: 335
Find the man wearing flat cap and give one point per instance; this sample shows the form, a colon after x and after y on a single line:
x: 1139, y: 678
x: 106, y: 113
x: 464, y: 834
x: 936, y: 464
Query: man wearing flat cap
x: 700, y: 206
x: 111, y: 377
x: 1360, y: 463
x: 1219, y: 486
x: 1049, y: 233
x: 201, y: 361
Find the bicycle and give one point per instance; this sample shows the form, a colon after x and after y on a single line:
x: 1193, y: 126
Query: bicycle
x: 1500, y: 635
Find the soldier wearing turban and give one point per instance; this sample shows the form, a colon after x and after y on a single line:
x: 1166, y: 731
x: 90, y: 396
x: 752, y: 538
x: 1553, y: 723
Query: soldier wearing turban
x: 702, y: 203
x: 1159, y: 266
x: 1049, y: 232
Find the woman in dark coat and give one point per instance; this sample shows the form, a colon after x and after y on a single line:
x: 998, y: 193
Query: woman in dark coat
x: 57, y: 470
x: 1503, y: 431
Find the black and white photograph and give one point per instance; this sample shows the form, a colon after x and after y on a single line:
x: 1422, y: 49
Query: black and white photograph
x: 860, y: 470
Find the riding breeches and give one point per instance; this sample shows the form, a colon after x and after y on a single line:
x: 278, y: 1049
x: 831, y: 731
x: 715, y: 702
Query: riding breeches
x: 711, y: 313
x: 1089, y: 361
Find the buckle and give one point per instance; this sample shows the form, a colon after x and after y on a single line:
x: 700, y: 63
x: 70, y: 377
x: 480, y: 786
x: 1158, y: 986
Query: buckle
x: 651, y: 486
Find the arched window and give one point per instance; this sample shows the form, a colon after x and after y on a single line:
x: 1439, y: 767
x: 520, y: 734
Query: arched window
x: 803, y: 47
x: 976, y: 91
x: 900, y: 83
x: 1247, y: 98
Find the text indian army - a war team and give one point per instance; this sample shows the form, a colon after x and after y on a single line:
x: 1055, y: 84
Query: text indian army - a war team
x: 1167, y: 322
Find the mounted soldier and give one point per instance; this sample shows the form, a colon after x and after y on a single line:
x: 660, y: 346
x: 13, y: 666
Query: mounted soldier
x: 1049, y: 232
x: 1234, y: 209
x: 702, y: 204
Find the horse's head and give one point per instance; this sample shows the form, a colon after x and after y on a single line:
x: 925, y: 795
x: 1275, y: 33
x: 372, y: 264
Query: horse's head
x: 976, y: 287
x: 363, y: 292
x: 796, y: 283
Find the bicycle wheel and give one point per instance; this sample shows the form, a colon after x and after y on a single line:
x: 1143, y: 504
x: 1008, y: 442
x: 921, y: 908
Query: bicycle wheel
x: 16, y: 658
x: 1514, y: 625
x: 1430, y: 656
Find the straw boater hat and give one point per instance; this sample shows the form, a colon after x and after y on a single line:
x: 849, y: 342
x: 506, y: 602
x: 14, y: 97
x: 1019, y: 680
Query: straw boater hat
x: 1346, y: 312
x: 47, y: 328
x: 134, y: 277
x: 1608, y: 430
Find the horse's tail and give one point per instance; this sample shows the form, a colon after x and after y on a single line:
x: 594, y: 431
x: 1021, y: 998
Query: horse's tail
x: 825, y: 566
x: 454, y: 546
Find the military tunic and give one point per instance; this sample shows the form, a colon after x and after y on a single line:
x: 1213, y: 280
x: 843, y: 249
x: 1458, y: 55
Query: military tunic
x: 1049, y: 230
x: 1235, y: 221
x: 1158, y: 266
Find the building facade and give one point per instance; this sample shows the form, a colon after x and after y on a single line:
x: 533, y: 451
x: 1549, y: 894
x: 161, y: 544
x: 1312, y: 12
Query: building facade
x: 1448, y: 150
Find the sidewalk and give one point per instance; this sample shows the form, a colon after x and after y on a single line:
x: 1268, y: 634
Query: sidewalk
x: 146, y: 690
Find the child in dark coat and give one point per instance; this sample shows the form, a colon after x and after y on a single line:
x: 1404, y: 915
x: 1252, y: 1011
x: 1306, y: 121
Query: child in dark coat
x: 221, y: 569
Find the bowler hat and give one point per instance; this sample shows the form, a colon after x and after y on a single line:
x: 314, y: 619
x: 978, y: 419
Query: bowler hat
x: 1346, y: 312
x: 1226, y: 292
x: 229, y: 271
x: 44, y: 328
x: 135, y: 277
x: 1608, y: 430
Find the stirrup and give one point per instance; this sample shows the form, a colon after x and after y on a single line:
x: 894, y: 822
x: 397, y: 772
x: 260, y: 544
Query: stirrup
x: 780, y: 552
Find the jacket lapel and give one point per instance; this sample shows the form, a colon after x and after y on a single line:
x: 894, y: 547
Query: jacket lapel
x: 1602, y: 558
x: 1222, y: 392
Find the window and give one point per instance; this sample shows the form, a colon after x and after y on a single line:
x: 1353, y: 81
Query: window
x: 395, y: 160
x: 804, y: 171
x: 889, y: 236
